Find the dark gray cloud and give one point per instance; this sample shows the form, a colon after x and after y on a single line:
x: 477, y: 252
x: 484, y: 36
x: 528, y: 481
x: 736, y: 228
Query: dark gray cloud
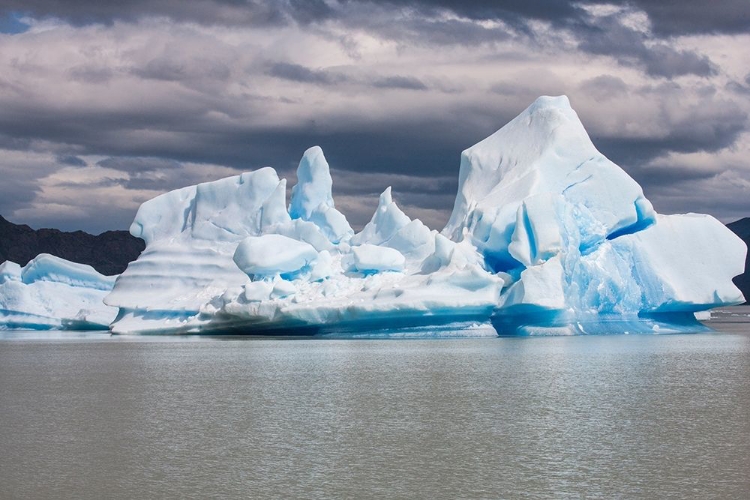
x: 177, y: 68
x: 548, y: 10
x: 273, y: 12
x: 425, y: 148
x: 91, y: 74
x: 223, y: 96
x: 605, y: 87
x: 740, y: 87
x: 679, y: 17
x: 668, y: 17
x: 86, y: 184
x: 10, y: 22
x: 16, y: 193
x: 228, y: 12
x: 21, y: 171
x: 608, y: 36
x: 399, y: 82
x: 706, y: 130
x: 303, y: 74
x: 420, y: 22
x: 71, y: 160
x: 135, y: 165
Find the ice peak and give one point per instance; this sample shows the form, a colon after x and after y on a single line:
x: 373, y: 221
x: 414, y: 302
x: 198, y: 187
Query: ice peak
x: 312, y: 197
x: 386, y: 221
x: 545, y: 151
x: 314, y: 185
x: 385, y: 198
x: 545, y: 101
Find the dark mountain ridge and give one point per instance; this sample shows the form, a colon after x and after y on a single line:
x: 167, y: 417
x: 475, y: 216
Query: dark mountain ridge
x: 742, y: 229
x: 109, y: 252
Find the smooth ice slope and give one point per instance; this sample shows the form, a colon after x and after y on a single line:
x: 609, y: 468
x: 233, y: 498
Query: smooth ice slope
x: 544, y: 152
x: 273, y: 254
x: 547, y: 236
x: 673, y: 279
x: 372, y: 258
x: 50, y: 292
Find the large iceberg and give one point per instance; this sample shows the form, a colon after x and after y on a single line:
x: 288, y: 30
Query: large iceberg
x: 547, y: 236
x: 53, y: 293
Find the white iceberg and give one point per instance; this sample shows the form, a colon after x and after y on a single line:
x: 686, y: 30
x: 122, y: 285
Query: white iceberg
x: 372, y: 258
x: 53, y: 293
x: 547, y: 236
x: 271, y: 254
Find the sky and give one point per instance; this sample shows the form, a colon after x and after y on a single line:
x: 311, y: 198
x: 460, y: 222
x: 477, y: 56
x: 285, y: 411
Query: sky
x: 104, y: 105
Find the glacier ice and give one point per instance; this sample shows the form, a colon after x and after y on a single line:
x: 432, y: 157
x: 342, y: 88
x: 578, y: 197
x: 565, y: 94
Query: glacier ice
x: 391, y: 229
x: 53, y: 293
x: 372, y: 258
x: 543, y: 152
x: 547, y: 236
x: 271, y: 254
x: 312, y: 198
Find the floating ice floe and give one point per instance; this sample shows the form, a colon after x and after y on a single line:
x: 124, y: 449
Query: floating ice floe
x: 53, y: 293
x: 547, y: 236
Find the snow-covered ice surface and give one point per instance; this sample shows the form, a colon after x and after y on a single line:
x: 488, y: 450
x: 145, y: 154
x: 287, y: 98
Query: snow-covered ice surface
x: 547, y: 236
x: 53, y: 293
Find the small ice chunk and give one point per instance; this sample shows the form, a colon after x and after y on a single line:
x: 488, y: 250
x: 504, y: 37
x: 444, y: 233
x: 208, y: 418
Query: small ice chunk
x: 10, y: 271
x: 702, y: 315
x: 303, y: 230
x: 282, y: 288
x: 257, y: 291
x: 322, y: 268
x: 272, y: 254
x: 372, y: 258
x: 541, y: 286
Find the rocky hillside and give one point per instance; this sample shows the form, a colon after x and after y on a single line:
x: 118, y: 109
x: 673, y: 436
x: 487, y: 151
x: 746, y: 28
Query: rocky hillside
x: 109, y: 253
x: 742, y: 229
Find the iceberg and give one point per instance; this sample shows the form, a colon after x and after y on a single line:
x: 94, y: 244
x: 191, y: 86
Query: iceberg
x: 546, y: 236
x: 53, y: 293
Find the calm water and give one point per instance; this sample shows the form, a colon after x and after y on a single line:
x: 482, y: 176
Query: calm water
x: 94, y: 416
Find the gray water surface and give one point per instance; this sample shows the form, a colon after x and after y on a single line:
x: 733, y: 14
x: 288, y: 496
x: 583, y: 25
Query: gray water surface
x: 625, y: 416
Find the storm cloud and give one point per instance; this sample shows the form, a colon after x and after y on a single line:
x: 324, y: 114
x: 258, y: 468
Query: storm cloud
x: 105, y: 103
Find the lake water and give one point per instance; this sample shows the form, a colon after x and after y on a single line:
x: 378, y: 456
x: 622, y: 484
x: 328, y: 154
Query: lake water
x: 87, y: 415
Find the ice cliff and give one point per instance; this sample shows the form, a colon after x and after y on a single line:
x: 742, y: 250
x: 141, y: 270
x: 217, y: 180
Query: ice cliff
x: 547, y: 236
